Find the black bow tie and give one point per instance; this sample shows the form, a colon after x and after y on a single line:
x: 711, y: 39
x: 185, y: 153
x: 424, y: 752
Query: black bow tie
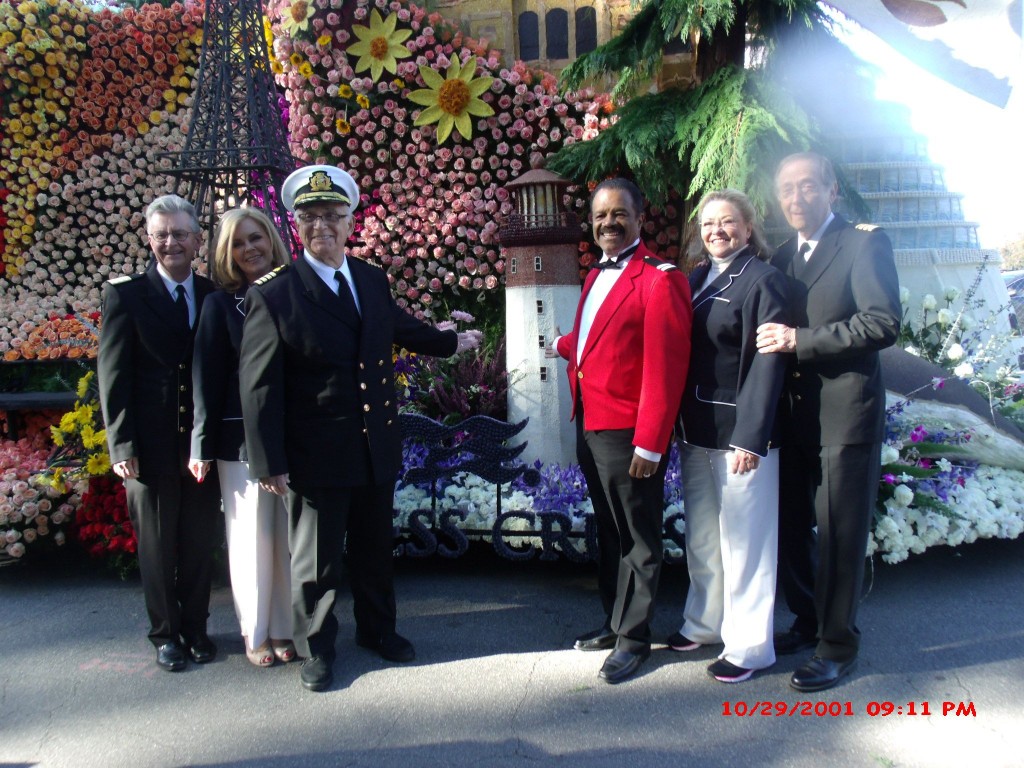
x: 616, y: 262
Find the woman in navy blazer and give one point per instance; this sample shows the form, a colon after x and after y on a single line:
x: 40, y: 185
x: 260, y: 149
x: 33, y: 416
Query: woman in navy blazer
x: 256, y: 521
x: 728, y: 438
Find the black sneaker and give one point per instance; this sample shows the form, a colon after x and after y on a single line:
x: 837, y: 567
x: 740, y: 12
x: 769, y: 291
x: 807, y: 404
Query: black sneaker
x: 680, y: 642
x: 726, y: 672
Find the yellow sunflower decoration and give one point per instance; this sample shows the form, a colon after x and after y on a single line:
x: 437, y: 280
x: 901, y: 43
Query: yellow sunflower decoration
x: 380, y: 45
x: 295, y: 18
x: 450, y: 100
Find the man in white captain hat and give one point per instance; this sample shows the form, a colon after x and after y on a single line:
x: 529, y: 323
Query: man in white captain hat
x: 321, y: 417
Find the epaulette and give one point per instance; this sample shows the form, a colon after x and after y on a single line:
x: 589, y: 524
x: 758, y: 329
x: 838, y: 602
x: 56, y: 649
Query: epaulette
x: 271, y: 275
x: 124, y: 279
x: 364, y: 260
x: 868, y: 227
x: 664, y: 266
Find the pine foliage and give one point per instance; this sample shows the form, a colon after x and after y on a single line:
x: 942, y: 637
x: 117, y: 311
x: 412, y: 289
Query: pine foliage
x: 728, y: 130
x: 694, y: 141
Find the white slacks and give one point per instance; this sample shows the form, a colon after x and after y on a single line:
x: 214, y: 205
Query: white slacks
x: 256, y: 525
x: 732, y: 532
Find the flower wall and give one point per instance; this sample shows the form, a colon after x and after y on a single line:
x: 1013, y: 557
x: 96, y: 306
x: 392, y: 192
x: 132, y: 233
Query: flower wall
x: 88, y: 98
x: 433, y: 126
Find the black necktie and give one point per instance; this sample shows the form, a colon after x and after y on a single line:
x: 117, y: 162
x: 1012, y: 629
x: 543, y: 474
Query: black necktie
x: 800, y: 262
x: 345, y: 292
x: 617, y: 261
x: 181, y: 306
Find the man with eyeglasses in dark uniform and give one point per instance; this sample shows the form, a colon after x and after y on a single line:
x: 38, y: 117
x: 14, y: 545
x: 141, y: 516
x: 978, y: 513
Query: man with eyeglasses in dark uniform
x: 145, y: 382
x: 321, y: 418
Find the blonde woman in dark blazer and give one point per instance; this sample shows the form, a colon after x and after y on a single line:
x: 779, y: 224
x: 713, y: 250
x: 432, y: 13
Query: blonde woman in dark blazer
x: 256, y: 521
x: 729, y: 443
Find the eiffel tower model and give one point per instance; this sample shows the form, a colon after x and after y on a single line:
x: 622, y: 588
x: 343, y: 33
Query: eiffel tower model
x: 236, y: 150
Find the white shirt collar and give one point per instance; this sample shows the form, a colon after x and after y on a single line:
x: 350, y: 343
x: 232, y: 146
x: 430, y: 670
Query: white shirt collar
x: 813, y: 240
x: 171, y: 284
x: 326, y: 271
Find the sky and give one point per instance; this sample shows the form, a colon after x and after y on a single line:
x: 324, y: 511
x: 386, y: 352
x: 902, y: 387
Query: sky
x: 980, y: 146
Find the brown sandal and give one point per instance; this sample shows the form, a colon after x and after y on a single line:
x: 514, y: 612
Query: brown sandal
x: 259, y: 657
x: 284, y: 650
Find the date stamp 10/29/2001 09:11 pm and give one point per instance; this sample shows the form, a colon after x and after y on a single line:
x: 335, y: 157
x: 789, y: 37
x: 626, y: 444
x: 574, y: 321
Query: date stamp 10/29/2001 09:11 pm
x: 847, y: 709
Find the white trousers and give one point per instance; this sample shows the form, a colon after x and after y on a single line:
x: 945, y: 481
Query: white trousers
x: 256, y: 524
x: 732, y: 533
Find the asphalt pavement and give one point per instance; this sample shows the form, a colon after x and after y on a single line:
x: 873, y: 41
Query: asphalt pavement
x: 495, y: 682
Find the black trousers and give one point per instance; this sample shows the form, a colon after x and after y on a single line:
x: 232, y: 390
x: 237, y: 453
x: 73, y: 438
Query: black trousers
x: 321, y: 521
x: 177, y: 524
x: 834, y: 488
x: 629, y: 514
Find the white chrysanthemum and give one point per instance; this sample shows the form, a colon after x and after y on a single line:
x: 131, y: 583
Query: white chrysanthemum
x: 902, y: 495
x: 889, y: 454
x: 964, y: 371
x: 955, y: 352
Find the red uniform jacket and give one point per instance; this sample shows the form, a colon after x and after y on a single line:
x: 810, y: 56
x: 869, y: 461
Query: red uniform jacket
x: 633, y: 368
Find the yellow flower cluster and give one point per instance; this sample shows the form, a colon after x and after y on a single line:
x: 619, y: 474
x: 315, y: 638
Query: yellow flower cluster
x: 40, y: 46
x: 82, y: 447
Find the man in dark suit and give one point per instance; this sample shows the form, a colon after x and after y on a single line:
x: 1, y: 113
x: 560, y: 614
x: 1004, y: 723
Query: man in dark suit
x: 628, y: 353
x: 321, y: 417
x: 145, y: 381
x: 846, y: 308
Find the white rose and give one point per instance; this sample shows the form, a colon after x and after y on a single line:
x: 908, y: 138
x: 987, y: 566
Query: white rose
x: 889, y: 454
x: 928, y: 302
x: 904, y: 295
x: 902, y: 495
x: 951, y: 294
x: 964, y: 371
x: 955, y: 352
x: 966, y: 321
x: 945, y: 317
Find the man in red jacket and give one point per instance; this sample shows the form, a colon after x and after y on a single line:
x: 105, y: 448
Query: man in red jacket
x: 628, y: 354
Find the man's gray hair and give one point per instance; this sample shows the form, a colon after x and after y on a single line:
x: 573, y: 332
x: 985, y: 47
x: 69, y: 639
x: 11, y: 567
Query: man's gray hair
x: 826, y: 173
x: 171, y: 204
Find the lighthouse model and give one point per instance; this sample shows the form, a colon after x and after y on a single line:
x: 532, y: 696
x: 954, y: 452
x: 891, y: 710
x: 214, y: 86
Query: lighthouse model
x: 539, y: 244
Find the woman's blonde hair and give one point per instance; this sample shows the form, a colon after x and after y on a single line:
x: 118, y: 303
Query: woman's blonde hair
x: 742, y: 204
x: 223, y: 269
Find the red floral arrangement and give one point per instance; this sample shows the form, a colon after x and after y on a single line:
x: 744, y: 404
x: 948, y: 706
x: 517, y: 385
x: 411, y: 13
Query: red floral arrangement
x: 102, y: 526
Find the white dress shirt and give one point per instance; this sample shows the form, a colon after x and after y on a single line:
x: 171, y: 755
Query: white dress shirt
x: 326, y: 273
x: 813, y: 240
x: 172, y: 288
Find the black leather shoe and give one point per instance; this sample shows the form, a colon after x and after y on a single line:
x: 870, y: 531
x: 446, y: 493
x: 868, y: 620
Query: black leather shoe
x: 792, y: 641
x: 171, y: 657
x: 201, y: 649
x: 819, y: 674
x: 392, y: 647
x: 621, y: 665
x: 602, y: 639
x: 316, y: 673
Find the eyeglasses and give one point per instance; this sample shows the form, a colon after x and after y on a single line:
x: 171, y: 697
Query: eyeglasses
x: 805, y: 189
x: 326, y: 218
x: 178, y: 235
